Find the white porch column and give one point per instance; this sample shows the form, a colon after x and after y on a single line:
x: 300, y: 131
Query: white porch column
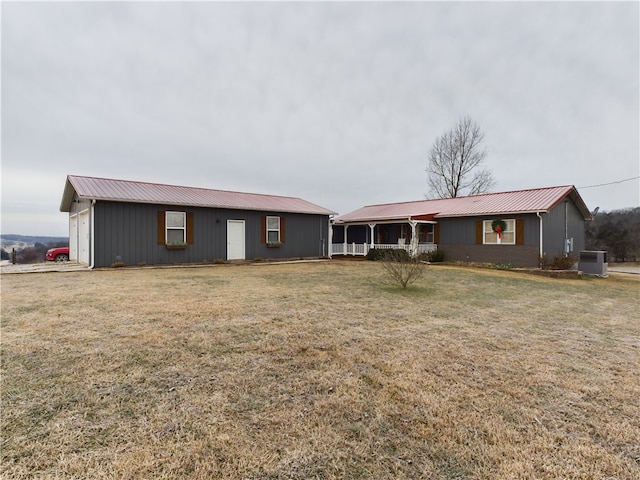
x: 414, y: 237
x: 373, y: 241
x: 346, y: 227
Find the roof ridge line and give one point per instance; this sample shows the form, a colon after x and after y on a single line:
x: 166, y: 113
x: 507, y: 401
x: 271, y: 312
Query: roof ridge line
x: 139, y: 182
x: 469, y: 196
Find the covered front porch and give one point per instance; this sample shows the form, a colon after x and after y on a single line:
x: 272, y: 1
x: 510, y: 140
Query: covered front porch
x: 356, y: 239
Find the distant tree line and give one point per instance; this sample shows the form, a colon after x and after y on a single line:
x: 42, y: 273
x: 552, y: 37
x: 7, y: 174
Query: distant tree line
x: 617, y: 232
x: 33, y: 253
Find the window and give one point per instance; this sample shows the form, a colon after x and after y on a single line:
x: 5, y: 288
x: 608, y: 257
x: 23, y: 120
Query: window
x: 426, y: 231
x: 273, y: 230
x: 176, y: 228
x: 506, y: 237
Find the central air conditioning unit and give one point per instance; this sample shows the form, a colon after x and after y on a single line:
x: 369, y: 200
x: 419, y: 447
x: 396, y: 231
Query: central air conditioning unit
x: 593, y: 263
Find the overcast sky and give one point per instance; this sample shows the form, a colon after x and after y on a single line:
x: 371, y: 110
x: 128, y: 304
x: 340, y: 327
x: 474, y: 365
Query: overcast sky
x: 336, y: 103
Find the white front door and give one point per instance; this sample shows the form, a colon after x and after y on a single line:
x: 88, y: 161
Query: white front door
x: 84, y: 237
x: 235, y: 239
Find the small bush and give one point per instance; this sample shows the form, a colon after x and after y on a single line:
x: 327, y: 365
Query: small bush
x: 559, y: 262
x: 118, y: 265
x: 437, y: 256
x: 401, y: 268
x: 434, y: 256
x: 504, y: 266
x: 376, y: 254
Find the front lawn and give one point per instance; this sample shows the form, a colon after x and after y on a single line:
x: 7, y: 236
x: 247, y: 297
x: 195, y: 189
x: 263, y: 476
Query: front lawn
x: 319, y: 370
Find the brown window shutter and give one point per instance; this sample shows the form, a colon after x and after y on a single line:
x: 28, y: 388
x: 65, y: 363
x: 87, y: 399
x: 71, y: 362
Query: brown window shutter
x: 161, y: 232
x: 190, y: 228
x: 263, y: 234
x: 281, y: 229
x: 519, y: 231
x: 436, y: 233
x: 479, y: 232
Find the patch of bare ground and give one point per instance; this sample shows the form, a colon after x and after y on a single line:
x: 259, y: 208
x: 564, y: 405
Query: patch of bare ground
x: 319, y: 371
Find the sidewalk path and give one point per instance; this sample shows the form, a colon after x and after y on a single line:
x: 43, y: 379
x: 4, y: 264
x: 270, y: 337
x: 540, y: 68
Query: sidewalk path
x: 624, y: 268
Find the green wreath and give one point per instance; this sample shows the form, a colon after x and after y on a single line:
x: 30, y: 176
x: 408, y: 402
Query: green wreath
x: 498, y: 224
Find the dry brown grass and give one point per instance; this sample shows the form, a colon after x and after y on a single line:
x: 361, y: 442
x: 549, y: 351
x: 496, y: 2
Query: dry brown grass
x: 318, y: 371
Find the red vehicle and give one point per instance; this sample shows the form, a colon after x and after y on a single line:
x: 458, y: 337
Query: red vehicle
x: 60, y: 254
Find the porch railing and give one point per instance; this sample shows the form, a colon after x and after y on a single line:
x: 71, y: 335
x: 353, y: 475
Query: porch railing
x: 361, y: 249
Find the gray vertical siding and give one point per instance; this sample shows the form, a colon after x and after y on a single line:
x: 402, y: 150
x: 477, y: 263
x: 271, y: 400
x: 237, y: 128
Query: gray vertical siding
x: 554, y: 229
x: 457, y: 237
x: 458, y: 242
x: 127, y: 232
x: 457, y: 231
x: 463, y: 230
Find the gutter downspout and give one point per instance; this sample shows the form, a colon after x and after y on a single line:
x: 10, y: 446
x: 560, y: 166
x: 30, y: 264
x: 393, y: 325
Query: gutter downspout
x: 91, y: 234
x: 566, y: 226
x: 541, y: 246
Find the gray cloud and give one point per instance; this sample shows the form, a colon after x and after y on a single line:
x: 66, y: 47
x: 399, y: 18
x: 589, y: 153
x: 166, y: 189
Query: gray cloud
x: 338, y: 103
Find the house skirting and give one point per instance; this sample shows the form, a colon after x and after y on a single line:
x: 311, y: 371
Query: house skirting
x: 520, y: 255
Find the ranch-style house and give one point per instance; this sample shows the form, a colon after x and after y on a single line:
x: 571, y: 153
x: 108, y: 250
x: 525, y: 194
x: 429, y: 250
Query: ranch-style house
x: 518, y: 227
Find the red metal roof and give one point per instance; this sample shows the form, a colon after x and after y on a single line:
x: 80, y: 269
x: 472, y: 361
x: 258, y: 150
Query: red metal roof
x: 141, y: 192
x: 516, y: 202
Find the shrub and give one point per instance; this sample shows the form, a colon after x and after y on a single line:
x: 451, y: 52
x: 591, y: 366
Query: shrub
x: 504, y: 266
x: 376, y: 254
x: 401, y: 268
x: 434, y: 256
x: 559, y: 262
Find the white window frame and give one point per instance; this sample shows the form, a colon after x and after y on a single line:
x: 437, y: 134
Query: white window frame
x: 271, y: 229
x: 431, y: 232
x: 488, y: 231
x: 168, y: 227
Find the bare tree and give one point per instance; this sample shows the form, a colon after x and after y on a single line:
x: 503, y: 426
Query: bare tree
x: 454, y: 168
